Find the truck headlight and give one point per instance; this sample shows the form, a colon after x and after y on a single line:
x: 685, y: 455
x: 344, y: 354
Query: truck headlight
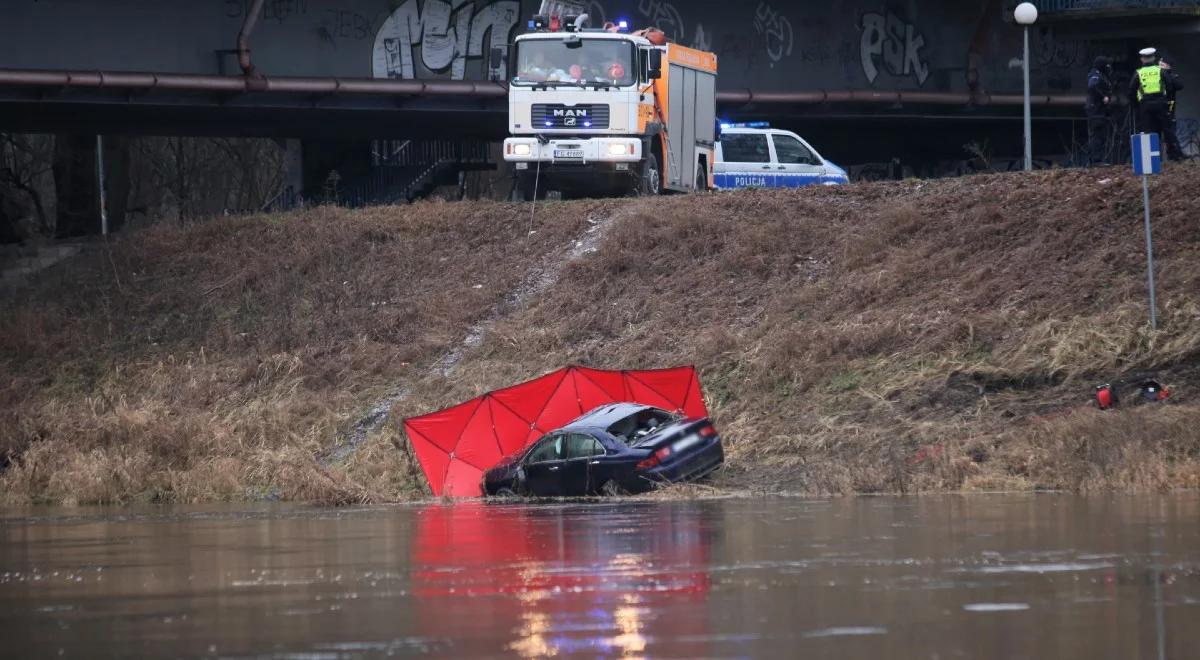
x: 618, y: 150
x: 521, y: 150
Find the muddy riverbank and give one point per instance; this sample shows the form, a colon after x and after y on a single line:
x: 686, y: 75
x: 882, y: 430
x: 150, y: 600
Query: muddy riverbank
x: 917, y: 336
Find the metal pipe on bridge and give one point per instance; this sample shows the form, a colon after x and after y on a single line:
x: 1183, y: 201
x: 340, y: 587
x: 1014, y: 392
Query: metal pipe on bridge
x: 478, y: 89
x: 237, y: 85
x: 821, y: 97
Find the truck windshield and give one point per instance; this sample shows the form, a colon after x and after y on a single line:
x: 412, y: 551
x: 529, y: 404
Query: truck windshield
x: 587, y: 62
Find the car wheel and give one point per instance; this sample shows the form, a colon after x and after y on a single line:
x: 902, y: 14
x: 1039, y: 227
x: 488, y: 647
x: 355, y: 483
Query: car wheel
x: 506, y: 493
x: 612, y: 489
x: 651, y: 176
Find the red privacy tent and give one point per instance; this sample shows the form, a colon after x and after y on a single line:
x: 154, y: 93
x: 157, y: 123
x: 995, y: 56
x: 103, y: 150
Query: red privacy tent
x: 456, y: 445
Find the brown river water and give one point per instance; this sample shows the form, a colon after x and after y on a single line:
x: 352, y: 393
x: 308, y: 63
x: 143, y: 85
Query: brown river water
x: 981, y: 576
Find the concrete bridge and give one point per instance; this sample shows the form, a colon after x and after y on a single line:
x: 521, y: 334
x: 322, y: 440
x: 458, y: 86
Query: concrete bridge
x: 400, y: 67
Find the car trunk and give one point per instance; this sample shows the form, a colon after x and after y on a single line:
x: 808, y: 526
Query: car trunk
x: 668, y: 434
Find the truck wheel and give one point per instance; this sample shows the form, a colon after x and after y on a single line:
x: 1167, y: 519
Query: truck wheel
x: 651, y: 176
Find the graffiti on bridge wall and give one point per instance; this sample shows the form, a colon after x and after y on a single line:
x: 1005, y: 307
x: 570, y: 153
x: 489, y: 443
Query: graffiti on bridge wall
x: 448, y: 32
x: 274, y: 11
x: 441, y: 36
x: 895, y: 43
x: 776, y: 29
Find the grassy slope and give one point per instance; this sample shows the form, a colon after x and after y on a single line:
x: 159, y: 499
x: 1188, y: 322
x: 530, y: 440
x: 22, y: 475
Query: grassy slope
x: 884, y: 337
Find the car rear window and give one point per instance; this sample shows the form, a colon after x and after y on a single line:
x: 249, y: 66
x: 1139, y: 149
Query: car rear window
x: 640, y: 424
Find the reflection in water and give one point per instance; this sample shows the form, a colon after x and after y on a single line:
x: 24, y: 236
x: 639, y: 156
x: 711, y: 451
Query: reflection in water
x: 970, y: 577
x: 576, y: 571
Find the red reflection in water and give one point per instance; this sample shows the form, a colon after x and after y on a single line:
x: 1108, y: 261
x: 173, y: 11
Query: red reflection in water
x: 564, y: 578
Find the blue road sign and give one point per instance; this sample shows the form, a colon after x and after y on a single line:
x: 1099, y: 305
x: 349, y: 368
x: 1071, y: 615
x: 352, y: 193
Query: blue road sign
x: 1147, y: 156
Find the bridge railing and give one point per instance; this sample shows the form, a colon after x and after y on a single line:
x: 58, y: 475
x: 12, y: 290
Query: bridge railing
x: 1059, y: 6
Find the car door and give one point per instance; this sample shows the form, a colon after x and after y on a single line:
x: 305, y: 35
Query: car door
x: 795, y: 163
x: 543, y: 467
x: 582, y: 452
x: 745, y: 161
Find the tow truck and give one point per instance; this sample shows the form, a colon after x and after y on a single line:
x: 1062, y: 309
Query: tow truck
x: 607, y: 111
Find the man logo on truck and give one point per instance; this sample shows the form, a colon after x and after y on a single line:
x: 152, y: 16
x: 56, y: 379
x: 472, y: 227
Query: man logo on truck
x: 570, y: 117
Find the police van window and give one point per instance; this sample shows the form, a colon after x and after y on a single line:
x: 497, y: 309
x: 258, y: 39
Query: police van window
x: 745, y: 148
x: 791, y: 151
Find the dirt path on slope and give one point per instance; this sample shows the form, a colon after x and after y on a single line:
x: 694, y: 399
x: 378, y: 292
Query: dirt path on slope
x: 538, y: 279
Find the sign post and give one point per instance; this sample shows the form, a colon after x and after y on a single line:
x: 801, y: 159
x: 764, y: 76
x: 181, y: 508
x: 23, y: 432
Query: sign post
x: 1147, y: 161
x: 100, y: 186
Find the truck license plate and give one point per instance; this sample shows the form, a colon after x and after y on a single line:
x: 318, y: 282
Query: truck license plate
x: 568, y: 153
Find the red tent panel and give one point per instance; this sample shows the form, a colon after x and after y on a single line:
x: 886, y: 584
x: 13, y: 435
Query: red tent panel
x: 511, y: 430
x: 456, y: 445
x: 486, y: 452
x: 593, y: 394
x: 462, y: 480
x: 672, y: 384
x: 432, y: 458
x: 612, y: 383
x: 643, y: 393
x: 528, y: 399
x: 443, y: 428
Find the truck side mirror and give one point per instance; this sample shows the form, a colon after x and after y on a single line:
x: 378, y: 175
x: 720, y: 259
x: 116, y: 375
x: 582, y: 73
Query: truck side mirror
x: 655, y: 64
x: 496, y: 59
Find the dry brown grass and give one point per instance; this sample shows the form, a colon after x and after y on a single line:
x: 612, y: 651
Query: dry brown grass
x: 896, y: 337
x: 214, y: 361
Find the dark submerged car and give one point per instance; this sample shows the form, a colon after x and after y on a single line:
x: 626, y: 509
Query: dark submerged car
x: 616, y: 448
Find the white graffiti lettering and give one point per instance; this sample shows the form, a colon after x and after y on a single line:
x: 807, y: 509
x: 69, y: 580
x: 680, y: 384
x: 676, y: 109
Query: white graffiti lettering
x: 897, y: 43
x: 664, y: 16
x: 448, y: 33
x: 776, y: 29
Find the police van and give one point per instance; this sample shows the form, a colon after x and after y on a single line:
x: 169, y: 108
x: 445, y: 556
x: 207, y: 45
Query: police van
x: 754, y: 155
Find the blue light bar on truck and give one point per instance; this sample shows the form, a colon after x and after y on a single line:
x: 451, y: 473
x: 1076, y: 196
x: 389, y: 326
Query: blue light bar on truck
x: 746, y: 124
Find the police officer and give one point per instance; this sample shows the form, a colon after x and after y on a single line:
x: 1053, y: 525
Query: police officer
x: 1098, y: 107
x: 1173, y: 147
x: 1151, y: 89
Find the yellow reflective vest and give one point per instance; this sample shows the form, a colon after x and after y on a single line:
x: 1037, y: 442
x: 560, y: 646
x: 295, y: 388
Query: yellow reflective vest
x: 1151, y: 81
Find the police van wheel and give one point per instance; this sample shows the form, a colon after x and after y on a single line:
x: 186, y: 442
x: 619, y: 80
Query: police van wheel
x: 651, y: 177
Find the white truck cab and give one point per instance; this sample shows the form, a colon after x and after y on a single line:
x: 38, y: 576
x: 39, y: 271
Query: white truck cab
x: 604, y: 111
x: 756, y: 156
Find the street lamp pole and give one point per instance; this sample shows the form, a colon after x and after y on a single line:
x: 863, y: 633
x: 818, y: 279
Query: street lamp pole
x: 1026, y: 15
x: 1028, y: 110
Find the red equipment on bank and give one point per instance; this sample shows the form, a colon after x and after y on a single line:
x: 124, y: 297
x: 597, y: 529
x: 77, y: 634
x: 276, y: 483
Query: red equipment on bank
x: 457, y: 445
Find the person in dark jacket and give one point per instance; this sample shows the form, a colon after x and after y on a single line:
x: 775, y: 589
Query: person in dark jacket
x: 1098, y: 107
x: 1151, y: 89
x: 1173, y: 147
